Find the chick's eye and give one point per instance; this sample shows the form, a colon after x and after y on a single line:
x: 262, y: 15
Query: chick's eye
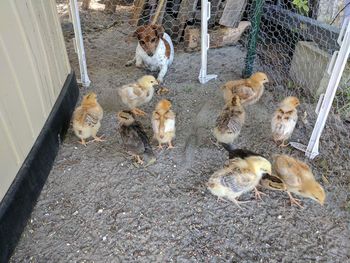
x: 142, y: 42
x: 153, y: 40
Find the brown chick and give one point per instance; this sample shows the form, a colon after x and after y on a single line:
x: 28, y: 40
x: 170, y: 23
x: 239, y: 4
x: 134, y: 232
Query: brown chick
x: 134, y: 138
x: 249, y: 90
x: 138, y: 93
x: 87, y: 118
x: 298, y: 178
x: 284, y: 120
x: 230, y: 121
x: 163, y: 123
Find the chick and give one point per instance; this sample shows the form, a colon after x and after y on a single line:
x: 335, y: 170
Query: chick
x: 163, y: 123
x: 242, y: 154
x: 230, y: 121
x: 138, y: 93
x: 284, y: 120
x: 298, y: 178
x: 249, y: 90
x: 87, y: 118
x: 239, y: 176
x: 134, y: 137
x: 272, y: 182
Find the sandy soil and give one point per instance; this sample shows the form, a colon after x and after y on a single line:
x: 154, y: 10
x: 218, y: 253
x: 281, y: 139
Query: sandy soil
x: 98, y: 207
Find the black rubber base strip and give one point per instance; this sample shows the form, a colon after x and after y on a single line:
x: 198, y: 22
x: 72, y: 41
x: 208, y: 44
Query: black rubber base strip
x: 21, y: 197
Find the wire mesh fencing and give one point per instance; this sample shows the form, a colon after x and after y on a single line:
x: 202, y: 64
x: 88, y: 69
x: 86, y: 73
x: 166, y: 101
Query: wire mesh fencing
x: 294, y: 42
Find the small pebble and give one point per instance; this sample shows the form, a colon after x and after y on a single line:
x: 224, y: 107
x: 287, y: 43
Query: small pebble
x: 100, y: 211
x: 279, y: 217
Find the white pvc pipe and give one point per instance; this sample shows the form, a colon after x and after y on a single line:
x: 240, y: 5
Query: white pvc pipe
x: 313, y: 147
x: 79, y: 44
x: 205, y: 16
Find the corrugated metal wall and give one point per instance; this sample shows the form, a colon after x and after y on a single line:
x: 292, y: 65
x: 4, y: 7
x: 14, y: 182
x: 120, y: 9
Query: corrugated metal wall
x: 33, y: 68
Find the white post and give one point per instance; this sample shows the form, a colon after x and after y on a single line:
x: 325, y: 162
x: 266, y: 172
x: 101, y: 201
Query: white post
x: 79, y: 44
x: 205, y: 16
x: 323, y: 109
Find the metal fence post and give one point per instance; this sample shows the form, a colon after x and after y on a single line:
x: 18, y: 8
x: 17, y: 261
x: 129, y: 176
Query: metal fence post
x: 253, y: 37
x: 79, y: 44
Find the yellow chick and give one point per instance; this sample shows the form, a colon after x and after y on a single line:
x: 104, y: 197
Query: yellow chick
x: 163, y: 123
x: 138, y: 93
x: 134, y: 138
x: 298, y: 179
x: 284, y: 120
x: 249, y: 90
x: 240, y: 175
x: 87, y: 118
x: 230, y: 121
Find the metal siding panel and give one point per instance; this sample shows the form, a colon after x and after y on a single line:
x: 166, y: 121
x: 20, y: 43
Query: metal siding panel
x: 33, y: 67
x: 56, y: 34
x: 48, y: 40
x: 13, y: 106
x: 10, y: 161
x: 62, y: 48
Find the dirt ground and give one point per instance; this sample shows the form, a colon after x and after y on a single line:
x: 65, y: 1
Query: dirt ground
x: 98, y: 207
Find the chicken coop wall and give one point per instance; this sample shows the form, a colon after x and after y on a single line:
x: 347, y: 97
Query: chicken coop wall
x: 34, y: 67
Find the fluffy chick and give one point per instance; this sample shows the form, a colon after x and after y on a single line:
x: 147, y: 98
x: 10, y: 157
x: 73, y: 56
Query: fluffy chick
x: 134, y: 137
x: 163, y: 123
x: 298, y: 178
x: 87, y: 118
x: 249, y: 90
x: 240, y: 175
x: 284, y: 120
x: 138, y: 93
x: 230, y: 121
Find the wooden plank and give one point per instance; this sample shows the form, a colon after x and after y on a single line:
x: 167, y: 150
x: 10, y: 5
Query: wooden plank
x: 186, y: 12
x: 215, y: 8
x: 232, y: 13
x: 307, y: 28
x: 138, y: 9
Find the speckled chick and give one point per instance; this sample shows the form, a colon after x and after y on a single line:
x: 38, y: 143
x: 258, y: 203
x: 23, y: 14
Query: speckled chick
x: 284, y: 120
x: 134, y: 138
x: 240, y: 175
x: 87, y: 118
x: 230, y: 121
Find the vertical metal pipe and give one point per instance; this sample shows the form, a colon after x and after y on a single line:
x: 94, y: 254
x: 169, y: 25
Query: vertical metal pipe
x: 336, y: 74
x: 79, y: 44
x: 205, y: 16
x: 253, y: 37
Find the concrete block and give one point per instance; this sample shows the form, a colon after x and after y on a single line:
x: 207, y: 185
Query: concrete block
x: 309, y: 68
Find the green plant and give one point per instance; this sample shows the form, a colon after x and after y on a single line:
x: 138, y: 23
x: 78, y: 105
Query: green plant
x: 302, y: 6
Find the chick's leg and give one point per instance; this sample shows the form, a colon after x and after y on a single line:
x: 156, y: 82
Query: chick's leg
x: 98, y: 139
x: 160, y: 147
x: 138, y: 159
x: 258, y: 194
x: 83, y: 142
x: 283, y: 144
x: 137, y: 111
x: 170, y: 145
x: 294, y: 200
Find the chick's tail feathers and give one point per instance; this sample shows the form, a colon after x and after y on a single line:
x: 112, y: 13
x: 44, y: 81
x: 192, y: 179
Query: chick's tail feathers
x: 238, y: 153
x: 228, y: 147
x: 148, y: 155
